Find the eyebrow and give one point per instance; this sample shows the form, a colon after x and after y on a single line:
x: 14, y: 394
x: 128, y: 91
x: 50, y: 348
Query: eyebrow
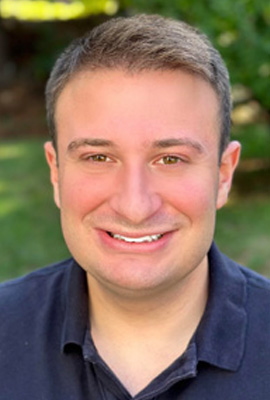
x: 170, y: 142
x: 75, y: 144
x: 161, y: 144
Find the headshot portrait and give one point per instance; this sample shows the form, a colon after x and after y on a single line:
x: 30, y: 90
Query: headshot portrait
x: 140, y: 159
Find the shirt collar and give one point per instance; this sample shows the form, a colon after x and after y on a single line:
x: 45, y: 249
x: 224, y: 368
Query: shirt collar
x: 220, y: 337
x: 76, y: 312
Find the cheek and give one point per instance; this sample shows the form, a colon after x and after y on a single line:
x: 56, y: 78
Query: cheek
x: 192, y: 196
x: 81, y: 194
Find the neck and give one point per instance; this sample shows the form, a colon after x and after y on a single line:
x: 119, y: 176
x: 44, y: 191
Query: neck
x: 146, y: 330
x: 176, y: 311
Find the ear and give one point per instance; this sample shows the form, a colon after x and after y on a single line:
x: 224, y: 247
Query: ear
x: 51, y: 158
x: 228, y: 164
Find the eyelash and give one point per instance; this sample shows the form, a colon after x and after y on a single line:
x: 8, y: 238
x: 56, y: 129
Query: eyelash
x: 176, y: 159
x: 94, y: 158
x: 100, y: 158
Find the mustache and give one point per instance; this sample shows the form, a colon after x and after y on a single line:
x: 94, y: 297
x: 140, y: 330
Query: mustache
x: 165, y: 222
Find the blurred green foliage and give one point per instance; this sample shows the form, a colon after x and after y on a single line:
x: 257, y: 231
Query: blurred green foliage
x: 242, y: 230
x: 43, y: 10
x: 239, y: 29
x: 255, y: 141
x: 30, y: 230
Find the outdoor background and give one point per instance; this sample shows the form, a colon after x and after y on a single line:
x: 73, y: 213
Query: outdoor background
x: 33, y: 32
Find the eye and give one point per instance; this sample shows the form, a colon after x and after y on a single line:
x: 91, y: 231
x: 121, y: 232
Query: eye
x: 168, y: 160
x: 98, y: 158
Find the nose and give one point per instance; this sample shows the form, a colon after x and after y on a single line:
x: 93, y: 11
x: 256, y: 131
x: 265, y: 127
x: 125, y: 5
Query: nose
x: 134, y: 198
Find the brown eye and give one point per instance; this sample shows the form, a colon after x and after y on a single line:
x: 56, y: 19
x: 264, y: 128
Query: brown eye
x: 167, y: 160
x: 98, y: 158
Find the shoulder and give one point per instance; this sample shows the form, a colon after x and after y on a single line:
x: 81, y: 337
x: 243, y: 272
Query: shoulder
x: 254, y: 281
x: 243, y: 285
x: 40, y: 275
x: 258, y: 297
x: 33, y: 289
x: 32, y: 315
x: 233, y: 271
x: 257, y: 300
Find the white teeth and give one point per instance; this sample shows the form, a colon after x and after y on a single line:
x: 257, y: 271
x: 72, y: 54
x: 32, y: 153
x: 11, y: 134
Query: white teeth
x: 142, y: 239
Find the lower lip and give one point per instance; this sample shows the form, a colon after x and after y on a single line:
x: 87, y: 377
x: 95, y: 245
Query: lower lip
x: 145, y: 247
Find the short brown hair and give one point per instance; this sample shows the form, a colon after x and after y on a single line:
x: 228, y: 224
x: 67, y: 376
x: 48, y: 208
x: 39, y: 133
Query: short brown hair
x: 143, y: 42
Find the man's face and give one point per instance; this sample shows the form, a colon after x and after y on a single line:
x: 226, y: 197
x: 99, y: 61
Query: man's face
x: 139, y: 181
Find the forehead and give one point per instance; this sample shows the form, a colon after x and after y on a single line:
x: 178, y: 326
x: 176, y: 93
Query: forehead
x: 115, y: 104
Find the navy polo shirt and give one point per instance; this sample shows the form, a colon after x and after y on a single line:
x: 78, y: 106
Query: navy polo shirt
x: 46, y: 351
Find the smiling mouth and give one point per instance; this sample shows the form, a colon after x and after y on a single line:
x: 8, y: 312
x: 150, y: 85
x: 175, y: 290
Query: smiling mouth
x: 142, y: 239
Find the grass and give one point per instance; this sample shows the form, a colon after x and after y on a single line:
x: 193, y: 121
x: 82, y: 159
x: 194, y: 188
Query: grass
x: 255, y: 140
x: 30, y: 234
x: 243, y: 233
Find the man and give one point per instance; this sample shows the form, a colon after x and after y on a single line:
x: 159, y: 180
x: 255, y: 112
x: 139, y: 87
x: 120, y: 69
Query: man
x: 140, y: 160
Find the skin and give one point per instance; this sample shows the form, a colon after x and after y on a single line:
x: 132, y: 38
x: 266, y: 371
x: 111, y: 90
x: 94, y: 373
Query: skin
x: 138, y: 156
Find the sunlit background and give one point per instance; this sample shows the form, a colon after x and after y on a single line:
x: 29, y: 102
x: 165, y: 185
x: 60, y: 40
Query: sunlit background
x: 33, y: 33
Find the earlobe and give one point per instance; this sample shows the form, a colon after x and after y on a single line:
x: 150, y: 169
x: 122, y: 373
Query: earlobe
x: 229, y: 161
x: 51, y: 158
